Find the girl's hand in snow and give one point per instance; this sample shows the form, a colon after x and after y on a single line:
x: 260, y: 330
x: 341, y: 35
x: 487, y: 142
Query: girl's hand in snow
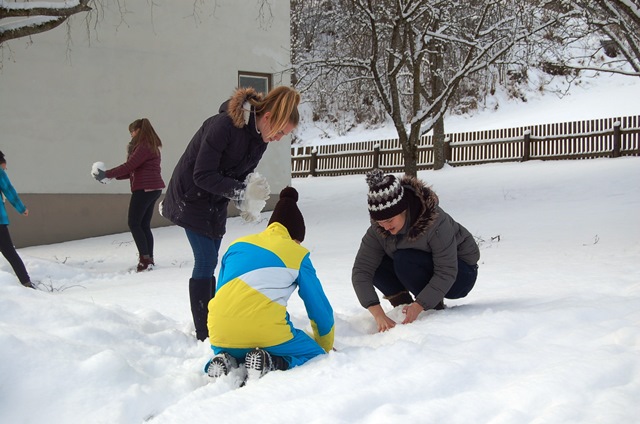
x: 382, y: 320
x: 411, y: 312
x: 385, y: 323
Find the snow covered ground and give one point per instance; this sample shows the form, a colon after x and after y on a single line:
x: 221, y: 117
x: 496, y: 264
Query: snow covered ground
x: 550, y: 334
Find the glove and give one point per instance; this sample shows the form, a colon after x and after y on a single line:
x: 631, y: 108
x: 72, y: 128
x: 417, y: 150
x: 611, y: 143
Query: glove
x: 256, y: 188
x: 248, y: 216
x: 100, y: 175
x: 250, y: 209
x: 98, y: 172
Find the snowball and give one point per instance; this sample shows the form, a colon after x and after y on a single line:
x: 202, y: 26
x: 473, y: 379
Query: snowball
x: 94, y: 171
x: 96, y: 166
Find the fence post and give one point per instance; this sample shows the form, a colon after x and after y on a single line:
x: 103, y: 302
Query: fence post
x: 376, y: 156
x: 617, y: 140
x: 313, y: 163
x: 526, y: 148
x: 447, y: 149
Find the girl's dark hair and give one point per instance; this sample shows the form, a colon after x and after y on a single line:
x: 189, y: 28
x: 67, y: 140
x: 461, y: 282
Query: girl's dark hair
x: 146, y: 135
x: 2, y: 159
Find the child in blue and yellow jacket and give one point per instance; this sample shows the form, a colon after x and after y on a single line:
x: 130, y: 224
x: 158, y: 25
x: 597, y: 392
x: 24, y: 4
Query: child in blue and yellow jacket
x: 248, y: 320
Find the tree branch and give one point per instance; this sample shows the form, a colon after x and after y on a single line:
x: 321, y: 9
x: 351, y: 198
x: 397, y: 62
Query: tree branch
x: 39, y: 18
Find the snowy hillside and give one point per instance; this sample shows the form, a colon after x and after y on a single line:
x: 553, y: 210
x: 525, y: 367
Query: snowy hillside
x: 590, y: 98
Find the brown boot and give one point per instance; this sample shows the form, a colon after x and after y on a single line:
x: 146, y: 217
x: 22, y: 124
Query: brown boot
x: 145, y: 263
x: 402, y: 298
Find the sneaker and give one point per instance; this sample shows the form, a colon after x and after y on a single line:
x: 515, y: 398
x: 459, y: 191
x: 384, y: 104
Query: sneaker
x: 220, y: 365
x: 258, y: 362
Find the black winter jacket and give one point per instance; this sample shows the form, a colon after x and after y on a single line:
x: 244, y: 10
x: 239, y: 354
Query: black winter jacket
x: 213, y: 168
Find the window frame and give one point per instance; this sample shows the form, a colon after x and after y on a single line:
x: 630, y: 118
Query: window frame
x: 268, y: 78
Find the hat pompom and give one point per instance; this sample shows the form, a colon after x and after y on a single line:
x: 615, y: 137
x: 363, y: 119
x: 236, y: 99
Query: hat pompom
x: 375, y: 177
x: 290, y: 193
x: 286, y: 212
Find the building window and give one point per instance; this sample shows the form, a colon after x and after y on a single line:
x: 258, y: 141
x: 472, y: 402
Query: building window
x: 259, y: 82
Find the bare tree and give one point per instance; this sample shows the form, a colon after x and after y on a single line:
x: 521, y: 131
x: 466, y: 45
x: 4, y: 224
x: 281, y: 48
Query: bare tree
x: 416, y: 54
x: 22, y: 19
x: 606, y: 37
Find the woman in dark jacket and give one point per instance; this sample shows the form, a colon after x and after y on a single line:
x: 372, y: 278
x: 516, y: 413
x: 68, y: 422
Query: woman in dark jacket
x: 142, y: 169
x: 412, y: 247
x: 217, y: 167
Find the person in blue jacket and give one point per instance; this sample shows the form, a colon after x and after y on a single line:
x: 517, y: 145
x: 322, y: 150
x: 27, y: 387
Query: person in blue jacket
x: 248, y: 319
x: 6, y: 245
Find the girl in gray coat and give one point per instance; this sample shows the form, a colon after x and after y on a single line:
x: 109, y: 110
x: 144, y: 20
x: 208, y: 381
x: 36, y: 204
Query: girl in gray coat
x: 412, y: 247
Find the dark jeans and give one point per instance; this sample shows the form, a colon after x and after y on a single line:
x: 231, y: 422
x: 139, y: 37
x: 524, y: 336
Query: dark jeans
x: 141, y: 209
x: 9, y: 252
x: 412, y: 269
x: 205, y: 254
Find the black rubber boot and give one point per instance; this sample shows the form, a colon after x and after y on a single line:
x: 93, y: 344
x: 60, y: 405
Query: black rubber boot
x: 200, y: 293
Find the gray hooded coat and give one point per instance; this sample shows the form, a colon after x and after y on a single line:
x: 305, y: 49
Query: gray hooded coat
x: 428, y: 228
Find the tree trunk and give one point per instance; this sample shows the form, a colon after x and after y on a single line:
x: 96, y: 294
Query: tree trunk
x: 410, y: 152
x: 437, y: 87
x: 293, y: 41
x: 438, y: 144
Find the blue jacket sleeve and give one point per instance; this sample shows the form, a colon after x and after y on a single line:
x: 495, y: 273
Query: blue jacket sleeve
x: 315, y: 301
x: 10, y: 193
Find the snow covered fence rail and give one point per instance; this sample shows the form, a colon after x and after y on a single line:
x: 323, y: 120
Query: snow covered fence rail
x: 606, y: 137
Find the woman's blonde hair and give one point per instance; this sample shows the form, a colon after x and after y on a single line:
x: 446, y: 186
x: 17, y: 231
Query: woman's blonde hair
x: 283, y: 103
x: 146, y: 135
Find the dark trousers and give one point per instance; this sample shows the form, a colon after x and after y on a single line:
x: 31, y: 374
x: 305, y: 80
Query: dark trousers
x: 141, y: 209
x: 9, y: 252
x: 412, y: 269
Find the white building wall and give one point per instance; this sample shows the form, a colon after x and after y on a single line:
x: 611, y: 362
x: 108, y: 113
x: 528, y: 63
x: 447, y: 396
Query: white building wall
x: 67, y: 96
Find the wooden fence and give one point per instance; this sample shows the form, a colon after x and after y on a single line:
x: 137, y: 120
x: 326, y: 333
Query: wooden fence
x: 607, y: 137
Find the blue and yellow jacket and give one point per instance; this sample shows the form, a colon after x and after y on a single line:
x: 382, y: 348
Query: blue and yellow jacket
x: 257, y: 276
x: 7, y: 190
